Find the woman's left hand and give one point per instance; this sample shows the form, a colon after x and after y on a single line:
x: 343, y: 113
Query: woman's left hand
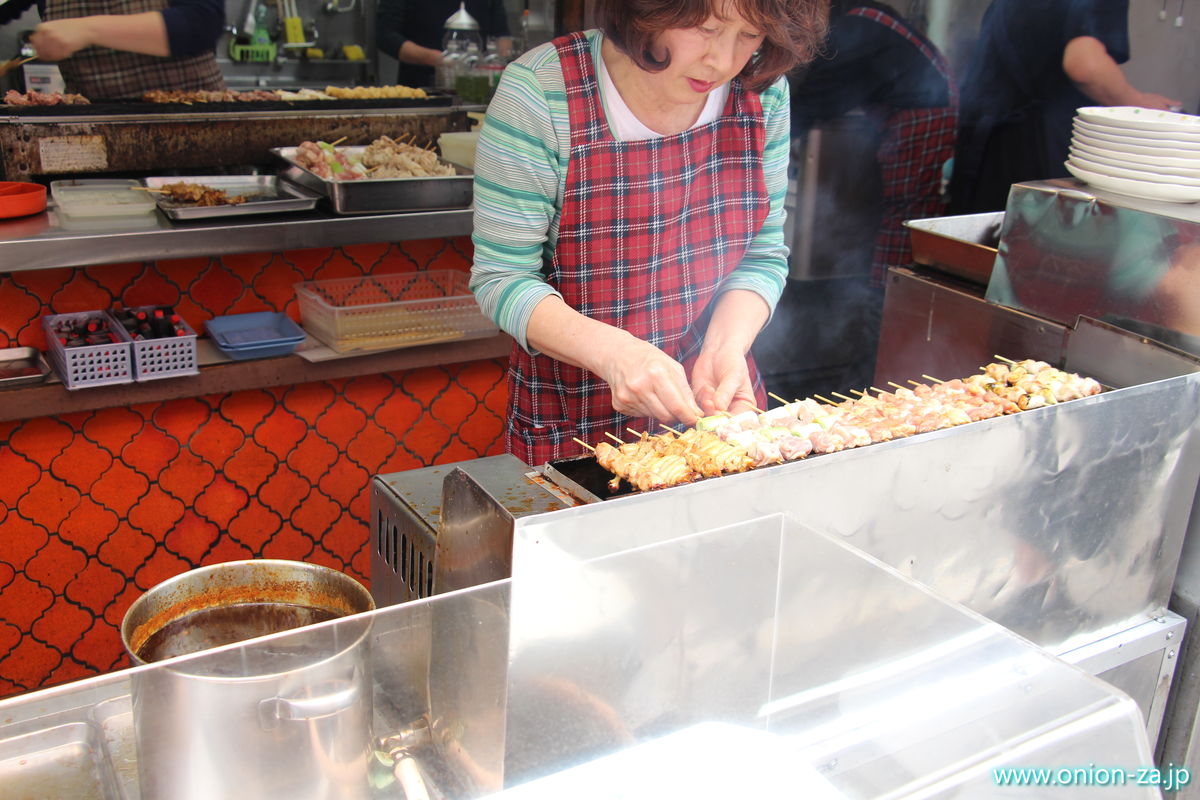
x: 721, y: 376
x: 721, y: 380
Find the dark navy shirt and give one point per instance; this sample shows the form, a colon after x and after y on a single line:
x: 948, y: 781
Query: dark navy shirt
x: 865, y: 65
x: 1015, y: 97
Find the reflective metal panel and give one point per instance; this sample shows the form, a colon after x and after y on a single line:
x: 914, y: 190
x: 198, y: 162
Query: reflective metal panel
x: 1064, y: 523
x: 937, y: 326
x: 852, y: 675
x: 1067, y: 249
x: 763, y: 644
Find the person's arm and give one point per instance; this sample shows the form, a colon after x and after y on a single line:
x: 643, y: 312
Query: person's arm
x: 413, y: 53
x: 1094, y: 72
x: 520, y: 159
x: 390, y: 38
x: 721, y: 379
x: 144, y: 33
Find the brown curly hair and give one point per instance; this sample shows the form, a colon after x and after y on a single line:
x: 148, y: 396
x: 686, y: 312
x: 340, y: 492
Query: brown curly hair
x: 793, y: 30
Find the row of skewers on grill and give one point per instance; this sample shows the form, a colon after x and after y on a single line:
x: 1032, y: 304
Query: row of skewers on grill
x: 724, y: 443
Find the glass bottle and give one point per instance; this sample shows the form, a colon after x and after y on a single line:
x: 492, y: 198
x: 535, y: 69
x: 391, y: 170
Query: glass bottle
x: 447, y: 71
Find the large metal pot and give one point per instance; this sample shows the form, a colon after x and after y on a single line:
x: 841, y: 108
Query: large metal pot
x: 289, y: 717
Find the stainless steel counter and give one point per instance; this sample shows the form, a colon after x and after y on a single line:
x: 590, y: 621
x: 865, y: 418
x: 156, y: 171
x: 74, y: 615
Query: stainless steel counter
x: 45, y: 240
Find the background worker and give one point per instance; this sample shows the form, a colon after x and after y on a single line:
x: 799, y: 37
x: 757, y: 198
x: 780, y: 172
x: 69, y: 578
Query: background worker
x: 1036, y: 62
x: 411, y: 31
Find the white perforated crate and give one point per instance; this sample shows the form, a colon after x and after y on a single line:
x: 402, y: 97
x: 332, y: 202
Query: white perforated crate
x: 164, y: 356
x: 391, y: 311
x: 88, y: 365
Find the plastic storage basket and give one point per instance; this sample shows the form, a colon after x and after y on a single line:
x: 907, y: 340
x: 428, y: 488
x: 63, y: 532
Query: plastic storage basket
x: 259, y: 334
x: 165, y: 356
x: 391, y: 311
x: 89, y: 365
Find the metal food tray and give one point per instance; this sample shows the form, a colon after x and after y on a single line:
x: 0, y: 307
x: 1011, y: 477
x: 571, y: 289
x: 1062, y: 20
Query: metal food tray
x: 382, y: 195
x: 965, y: 246
x: 265, y: 194
x: 22, y: 365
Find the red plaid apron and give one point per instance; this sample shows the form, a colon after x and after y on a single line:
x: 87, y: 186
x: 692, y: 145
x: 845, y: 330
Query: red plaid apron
x: 648, y: 231
x: 917, y: 142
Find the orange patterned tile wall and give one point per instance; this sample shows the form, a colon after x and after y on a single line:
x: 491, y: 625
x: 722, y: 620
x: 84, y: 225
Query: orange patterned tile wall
x: 96, y: 507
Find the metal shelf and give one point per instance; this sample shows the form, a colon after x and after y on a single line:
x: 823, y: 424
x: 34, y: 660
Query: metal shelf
x: 42, y: 241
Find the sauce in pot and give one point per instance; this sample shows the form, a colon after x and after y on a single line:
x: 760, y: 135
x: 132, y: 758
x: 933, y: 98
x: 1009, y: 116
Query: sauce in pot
x: 218, y: 625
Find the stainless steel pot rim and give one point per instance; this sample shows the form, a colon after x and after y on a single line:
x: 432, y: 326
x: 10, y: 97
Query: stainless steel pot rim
x: 130, y: 623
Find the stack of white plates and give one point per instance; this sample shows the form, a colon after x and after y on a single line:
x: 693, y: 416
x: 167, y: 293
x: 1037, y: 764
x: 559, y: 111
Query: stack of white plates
x: 1152, y: 155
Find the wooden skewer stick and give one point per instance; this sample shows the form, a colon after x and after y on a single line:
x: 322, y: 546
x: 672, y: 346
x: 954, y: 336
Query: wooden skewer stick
x: 339, y: 141
x: 757, y: 410
x: 614, y: 438
x: 825, y: 400
x: 668, y: 428
x: 860, y: 392
x: 931, y: 378
x: 147, y: 189
x: 876, y: 389
x: 585, y: 444
x: 895, y: 385
x: 844, y: 397
x: 13, y: 63
x: 914, y: 383
x: 1002, y: 358
x: 777, y: 397
x: 640, y: 435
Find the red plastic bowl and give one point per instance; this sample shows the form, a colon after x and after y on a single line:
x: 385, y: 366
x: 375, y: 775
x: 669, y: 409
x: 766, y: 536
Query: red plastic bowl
x: 18, y: 199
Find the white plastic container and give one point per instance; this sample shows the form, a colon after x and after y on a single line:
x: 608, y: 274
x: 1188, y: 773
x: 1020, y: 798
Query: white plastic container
x: 102, y: 198
x: 391, y: 311
x: 459, y: 148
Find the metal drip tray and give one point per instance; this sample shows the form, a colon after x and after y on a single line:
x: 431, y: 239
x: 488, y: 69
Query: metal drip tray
x: 585, y: 479
x: 87, y: 755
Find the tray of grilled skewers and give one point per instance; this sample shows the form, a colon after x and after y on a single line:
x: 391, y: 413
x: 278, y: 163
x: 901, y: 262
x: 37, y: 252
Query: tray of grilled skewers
x: 388, y: 175
x: 205, y: 197
x: 724, y: 444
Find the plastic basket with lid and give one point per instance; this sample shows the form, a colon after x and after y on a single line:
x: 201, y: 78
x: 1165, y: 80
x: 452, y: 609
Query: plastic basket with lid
x: 389, y: 311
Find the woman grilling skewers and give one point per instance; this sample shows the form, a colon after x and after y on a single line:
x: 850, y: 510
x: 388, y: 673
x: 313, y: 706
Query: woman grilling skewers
x: 629, y: 214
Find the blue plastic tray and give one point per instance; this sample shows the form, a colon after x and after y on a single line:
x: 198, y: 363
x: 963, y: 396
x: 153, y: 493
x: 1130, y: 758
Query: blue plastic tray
x: 260, y: 334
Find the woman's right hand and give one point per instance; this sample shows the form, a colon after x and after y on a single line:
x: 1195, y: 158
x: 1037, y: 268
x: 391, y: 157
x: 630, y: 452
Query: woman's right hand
x: 646, y: 382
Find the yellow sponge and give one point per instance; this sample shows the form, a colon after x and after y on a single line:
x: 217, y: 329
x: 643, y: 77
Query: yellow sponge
x: 314, y: 52
x: 293, y: 30
x: 354, y: 53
